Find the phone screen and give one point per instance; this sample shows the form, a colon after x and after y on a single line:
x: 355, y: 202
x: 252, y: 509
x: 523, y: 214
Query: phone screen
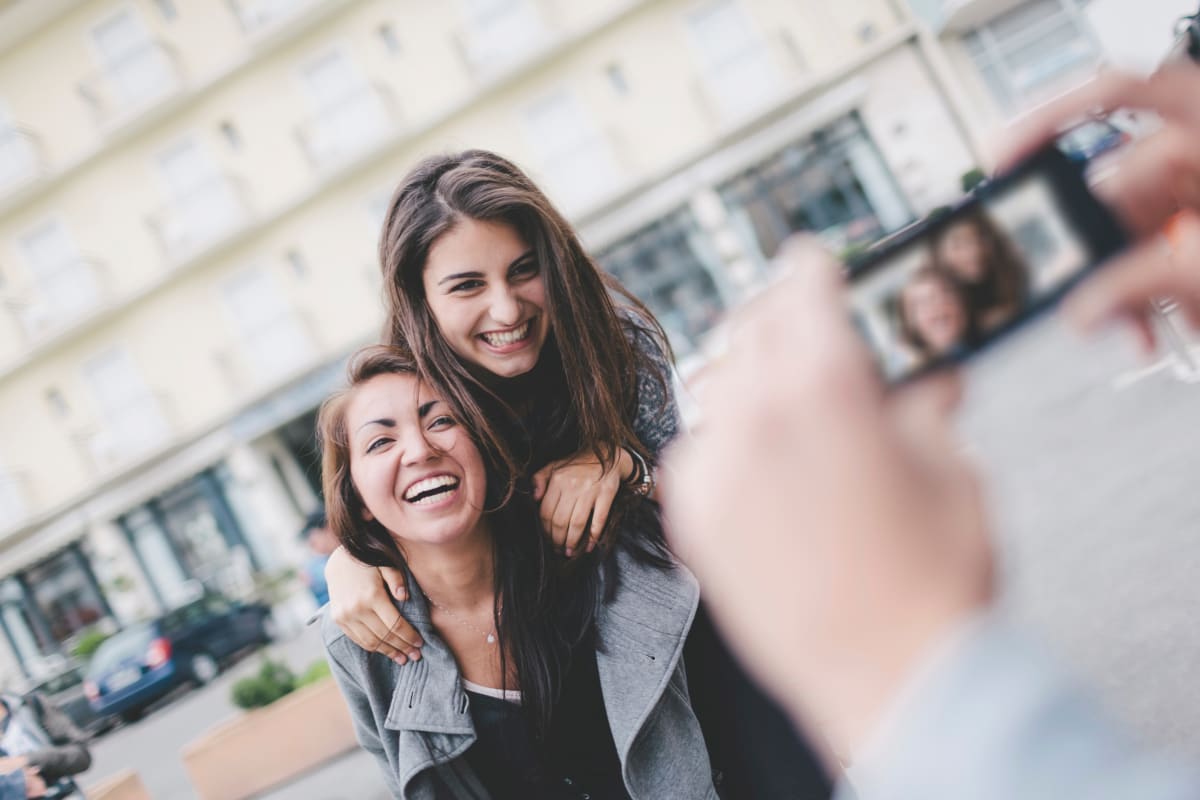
x: 942, y: 291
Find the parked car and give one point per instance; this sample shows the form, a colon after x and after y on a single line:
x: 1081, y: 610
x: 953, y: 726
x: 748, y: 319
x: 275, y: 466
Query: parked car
x: 142, y: 663
x: 65, y: 688
x: 1092, y: 139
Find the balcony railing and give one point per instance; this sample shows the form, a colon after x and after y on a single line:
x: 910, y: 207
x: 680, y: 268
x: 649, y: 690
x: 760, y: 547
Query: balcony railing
x: 201, y: 217
x: 60, y: 297
x: 347, y: 128
x: 21, y: 159
x: 142, y: 425
x: 271, y: 352
x: 133, y: 83
x: 260, y: 17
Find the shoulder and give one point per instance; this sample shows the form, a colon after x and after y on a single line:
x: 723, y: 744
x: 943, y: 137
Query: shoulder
x: 658, y: 585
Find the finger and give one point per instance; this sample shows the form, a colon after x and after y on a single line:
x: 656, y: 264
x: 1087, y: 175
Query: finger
x: 577, y: 526
x: 548, y: 509
x: 1153, y: 181
x: 1133, y: 281
x: 561, y: 524
x: 1170, y: 93
x: 600, y: 511
x: 396, y: 582
x: 401, y: 636
x: 541, y: 479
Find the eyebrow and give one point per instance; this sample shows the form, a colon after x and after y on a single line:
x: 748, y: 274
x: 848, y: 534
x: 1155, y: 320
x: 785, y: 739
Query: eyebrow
x: 457, y: 276
x: 387, y: 422
x: 425, y: 408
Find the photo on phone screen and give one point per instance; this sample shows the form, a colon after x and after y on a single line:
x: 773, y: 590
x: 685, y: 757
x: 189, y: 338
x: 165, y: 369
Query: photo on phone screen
x: 941, y: 291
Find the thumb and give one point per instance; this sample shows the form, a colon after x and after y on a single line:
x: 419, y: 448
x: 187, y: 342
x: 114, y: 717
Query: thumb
x: 397, y: 585
x: 541, y: 479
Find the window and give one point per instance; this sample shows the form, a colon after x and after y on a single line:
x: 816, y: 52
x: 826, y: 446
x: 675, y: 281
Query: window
x: 387, y: 35
x: 296, y: 262
x: 57, y: 403
x: 1033, y: 51
x: 616, y: 79
x: 576, y: 159
x: 833, y: 183
x: 349, y: 113
x: 230, y: 134
x: 499, y: 30
x: 131, y: 419
x: 203, y: 202
x: 13, y: 507
x: 167, y: 9
x: 18, y: 160
x: 136, y: 67
x: 64, y: 284
x: 270, y: 332
x: 735, y: 60
x: 66, y: 593
x: 260, y: 15
x: 670, y: 266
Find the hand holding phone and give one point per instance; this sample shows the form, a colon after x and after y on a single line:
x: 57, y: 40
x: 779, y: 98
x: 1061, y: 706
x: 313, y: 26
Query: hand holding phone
x: 949, y: 286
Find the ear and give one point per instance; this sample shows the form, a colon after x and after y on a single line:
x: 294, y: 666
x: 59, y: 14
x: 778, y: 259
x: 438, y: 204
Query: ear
x: 367, y: 515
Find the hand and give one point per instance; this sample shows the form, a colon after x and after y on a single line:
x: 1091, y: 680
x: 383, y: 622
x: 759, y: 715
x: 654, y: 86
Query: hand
x: 362, y: 607
x: 12, y: 764
x: 835, y: 528
x: 1157, y: 177
x: 35, y: 785
x: 575, y: 489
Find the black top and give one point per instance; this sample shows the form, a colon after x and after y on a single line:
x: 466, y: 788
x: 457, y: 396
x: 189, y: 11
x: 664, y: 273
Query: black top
x: 577, y: 762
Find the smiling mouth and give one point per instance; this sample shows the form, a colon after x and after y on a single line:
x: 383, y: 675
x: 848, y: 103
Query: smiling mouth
x: 431, y: 490
x: 509, y: 338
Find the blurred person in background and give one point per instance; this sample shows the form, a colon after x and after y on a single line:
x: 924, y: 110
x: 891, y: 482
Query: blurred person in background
x: 321, y: 543
x: 933, y: 316
x: 535, y: 681
x: 36, y: 736
x: 860, y: 525
x: 20, y: 784
x: 566, y: 380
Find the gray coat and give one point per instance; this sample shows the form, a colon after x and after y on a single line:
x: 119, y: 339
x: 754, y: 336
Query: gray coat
x: 415, y: 718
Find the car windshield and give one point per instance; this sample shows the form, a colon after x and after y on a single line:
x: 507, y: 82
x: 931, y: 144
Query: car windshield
x: 128, y: 643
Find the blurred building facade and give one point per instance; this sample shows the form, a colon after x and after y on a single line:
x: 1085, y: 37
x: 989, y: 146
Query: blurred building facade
x: 191, y: 194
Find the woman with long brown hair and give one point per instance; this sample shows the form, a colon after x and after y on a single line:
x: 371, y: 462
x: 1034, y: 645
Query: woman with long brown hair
x: 565, y: 378
x: 533, y: 683
x: 985, y: 263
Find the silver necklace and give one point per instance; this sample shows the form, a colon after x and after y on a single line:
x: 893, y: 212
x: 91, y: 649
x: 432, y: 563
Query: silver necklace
x: 461, y: 620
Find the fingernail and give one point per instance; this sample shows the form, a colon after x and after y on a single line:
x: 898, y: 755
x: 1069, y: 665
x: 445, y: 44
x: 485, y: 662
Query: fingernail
x: 415, y: 655
x: 570, y: 551
x: 401, y: 595
x: 400, y: 659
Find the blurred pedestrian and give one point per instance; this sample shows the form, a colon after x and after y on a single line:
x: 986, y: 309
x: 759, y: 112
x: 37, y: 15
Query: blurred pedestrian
x: 37, y: 736
x: 321, y: 543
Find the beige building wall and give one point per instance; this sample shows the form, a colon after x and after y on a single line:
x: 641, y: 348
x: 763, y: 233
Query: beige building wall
x: 224, y: 227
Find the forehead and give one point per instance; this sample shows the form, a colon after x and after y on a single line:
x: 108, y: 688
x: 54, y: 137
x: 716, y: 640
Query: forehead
x: 392, y: 396
x: 475, y: 244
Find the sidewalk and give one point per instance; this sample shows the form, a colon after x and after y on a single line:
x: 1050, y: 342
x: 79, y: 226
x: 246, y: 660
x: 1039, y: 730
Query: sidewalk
x: 354, y: 776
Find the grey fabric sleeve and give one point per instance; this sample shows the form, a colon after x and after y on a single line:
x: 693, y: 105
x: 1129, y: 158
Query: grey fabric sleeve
x: 993, y: 718
x: 70, y: 754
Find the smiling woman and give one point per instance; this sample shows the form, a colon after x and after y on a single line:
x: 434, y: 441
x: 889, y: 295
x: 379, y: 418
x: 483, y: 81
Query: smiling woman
x: 529, y: 682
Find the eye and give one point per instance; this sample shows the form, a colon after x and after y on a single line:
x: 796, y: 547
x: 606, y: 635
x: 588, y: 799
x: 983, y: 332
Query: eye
x: 526, y: 269
x: 375, y: 444
x: 442, y: 422
x: 467, y: 286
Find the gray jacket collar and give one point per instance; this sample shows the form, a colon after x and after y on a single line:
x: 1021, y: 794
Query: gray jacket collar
x: 641, y: 632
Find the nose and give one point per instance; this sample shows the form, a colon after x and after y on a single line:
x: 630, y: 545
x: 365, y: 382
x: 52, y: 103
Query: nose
x: 505, y: 306
x: 415, y: 448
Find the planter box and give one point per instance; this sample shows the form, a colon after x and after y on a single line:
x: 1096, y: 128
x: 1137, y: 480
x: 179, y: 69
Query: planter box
x: 270, y: 746
x: 125, y: 785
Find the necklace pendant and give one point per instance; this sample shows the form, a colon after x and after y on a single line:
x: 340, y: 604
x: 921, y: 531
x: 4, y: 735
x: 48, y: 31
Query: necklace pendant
x: 491, y: 638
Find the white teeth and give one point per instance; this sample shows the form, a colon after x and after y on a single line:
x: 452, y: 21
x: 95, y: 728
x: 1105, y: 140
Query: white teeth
x: 436, y: 482
x: 508, y: 337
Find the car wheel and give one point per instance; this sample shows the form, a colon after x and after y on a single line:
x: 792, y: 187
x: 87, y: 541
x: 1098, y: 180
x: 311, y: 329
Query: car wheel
x: 132, y: 715
x: 203, y: 668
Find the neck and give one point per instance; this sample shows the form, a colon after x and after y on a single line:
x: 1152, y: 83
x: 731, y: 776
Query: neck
x: 458, y: 575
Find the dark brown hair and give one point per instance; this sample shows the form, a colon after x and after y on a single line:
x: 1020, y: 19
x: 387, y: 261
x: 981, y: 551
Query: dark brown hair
x: 1005, y: 281
x: 588, y: 368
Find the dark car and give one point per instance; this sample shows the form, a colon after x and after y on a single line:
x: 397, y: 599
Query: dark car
x: 142, y: 663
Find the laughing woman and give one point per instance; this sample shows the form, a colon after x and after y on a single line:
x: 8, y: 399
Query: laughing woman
x: 565, y: 379
x: 529, y: 687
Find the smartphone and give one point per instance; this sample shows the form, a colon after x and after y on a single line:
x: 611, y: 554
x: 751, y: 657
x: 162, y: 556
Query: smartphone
x: 952, y: 284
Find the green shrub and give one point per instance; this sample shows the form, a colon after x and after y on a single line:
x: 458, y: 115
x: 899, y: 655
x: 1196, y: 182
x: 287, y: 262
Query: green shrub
x: 316, y: 671
x: 88, y: 643
x: 273, y: 681
x: 972, y: 178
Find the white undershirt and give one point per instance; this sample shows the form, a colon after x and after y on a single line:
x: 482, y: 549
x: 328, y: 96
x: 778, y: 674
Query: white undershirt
x: 507, y: 695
